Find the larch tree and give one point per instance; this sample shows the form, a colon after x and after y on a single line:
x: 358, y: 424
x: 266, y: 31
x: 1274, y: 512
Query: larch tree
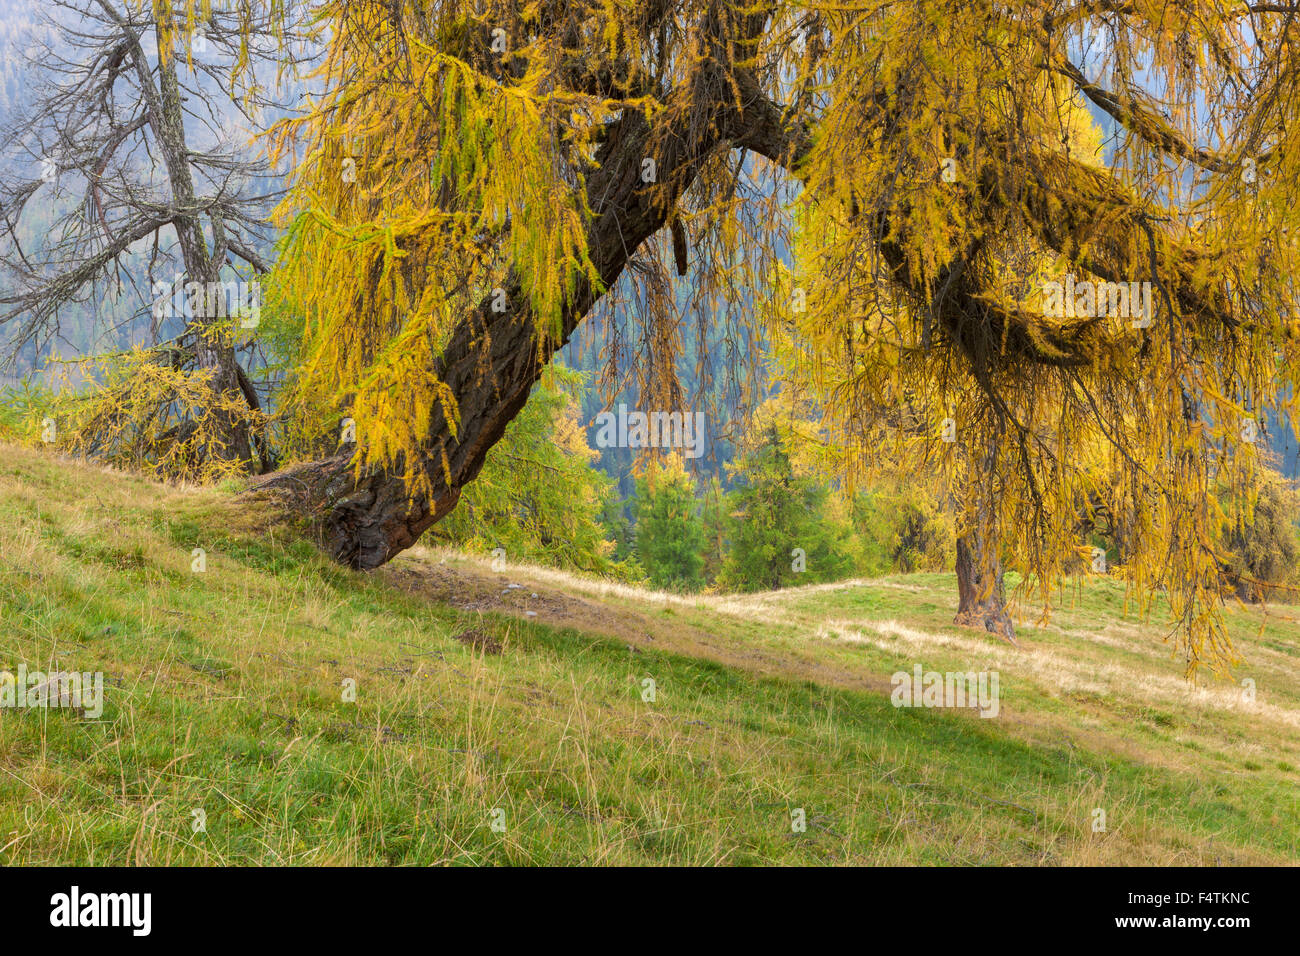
x: 107, y: 145
x: 963, y: 290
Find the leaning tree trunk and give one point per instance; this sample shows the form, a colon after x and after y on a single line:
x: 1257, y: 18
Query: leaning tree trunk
x: 981, y: 594
x: 493, y: 358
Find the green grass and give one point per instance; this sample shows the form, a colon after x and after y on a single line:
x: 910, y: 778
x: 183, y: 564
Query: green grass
x: 225, y: 695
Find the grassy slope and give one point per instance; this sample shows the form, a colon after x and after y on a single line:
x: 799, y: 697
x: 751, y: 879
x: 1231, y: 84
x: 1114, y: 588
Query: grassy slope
x: 225, y: 695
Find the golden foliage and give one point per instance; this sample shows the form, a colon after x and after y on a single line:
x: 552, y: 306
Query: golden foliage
x: 147, y: 410
x: 428, y: 190
x: 935, y: 171
x: 1053, y: 418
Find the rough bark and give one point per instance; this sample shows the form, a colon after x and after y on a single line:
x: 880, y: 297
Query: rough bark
x: 981, y: 593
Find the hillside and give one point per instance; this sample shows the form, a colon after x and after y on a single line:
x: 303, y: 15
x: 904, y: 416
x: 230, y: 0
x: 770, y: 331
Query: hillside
x: 224, y: 695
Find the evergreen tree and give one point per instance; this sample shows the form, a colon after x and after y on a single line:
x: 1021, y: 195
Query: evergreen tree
x: 669, y: 531
x: 780, y: 534
x: 715, y: 513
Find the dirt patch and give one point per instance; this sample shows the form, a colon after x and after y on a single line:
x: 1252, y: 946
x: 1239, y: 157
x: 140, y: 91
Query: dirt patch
x: 467, y: 587
x: 480, y: 640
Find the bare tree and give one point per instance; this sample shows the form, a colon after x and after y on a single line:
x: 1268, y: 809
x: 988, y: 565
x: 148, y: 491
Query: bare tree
x: 137, y: 137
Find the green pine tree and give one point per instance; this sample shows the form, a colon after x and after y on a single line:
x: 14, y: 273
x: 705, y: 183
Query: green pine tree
x: 780, y: 532
x: 669, y: 531
x: 715, y: 513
